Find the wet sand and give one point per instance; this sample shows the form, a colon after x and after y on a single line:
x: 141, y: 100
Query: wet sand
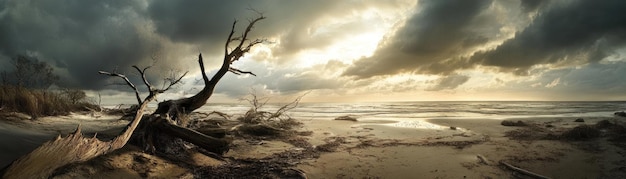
x: 365, y: 149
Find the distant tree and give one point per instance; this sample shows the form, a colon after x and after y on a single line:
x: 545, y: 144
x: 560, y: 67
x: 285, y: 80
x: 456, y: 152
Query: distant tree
x: 74, y: 96
x: 5, y: 78
x: 30, y: 72
x: 25, y: 89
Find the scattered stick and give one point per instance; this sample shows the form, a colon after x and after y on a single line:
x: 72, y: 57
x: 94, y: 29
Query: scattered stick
x: 525, y: 172
x: 483, y: 159
x: 224, y: 115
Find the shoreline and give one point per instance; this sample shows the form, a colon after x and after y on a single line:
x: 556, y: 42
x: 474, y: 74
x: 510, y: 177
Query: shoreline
x: 372, y: 148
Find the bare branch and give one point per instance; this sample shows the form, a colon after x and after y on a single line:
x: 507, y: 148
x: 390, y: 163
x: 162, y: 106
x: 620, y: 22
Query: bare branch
x: 239, y: 72
x: 127, y: 82
x: 293, y: 104
x: 256, y: 101
x: 204, y: 77
x: 240, y: 50
x: 255, y: 10
x: 235, y: 54
x: 253, y: 43
x: 143, y: 75
x: 244, y: 37
x: 230, y: 38
x: 172, y: 83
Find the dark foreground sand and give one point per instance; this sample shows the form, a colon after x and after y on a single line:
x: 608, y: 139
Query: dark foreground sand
x: 364, y: 149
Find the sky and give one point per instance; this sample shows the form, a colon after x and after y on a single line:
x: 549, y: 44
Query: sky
x: 335, y: 51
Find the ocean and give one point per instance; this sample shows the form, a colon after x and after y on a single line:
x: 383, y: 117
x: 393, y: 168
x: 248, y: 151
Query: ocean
x: 402, y: 111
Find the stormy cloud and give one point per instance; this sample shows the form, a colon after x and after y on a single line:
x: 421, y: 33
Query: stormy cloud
x: 79, y: 38
x: 573, y: 32
x: 355, y: 47
x: 438, y: 32
x: 446, y: 36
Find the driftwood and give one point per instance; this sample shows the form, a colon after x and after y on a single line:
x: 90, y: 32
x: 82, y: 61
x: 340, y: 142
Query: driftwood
x: 525, y: 172
x: 213, y: 132
x: 483, y: 159
x: 43, y: 161
x: 211, y: 144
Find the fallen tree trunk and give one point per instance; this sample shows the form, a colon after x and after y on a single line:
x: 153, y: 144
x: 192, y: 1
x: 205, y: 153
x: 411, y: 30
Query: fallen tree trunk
x: 211, y: 144
x: 213, y: 132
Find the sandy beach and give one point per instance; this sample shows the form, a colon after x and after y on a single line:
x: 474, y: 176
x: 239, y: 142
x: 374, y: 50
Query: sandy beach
x: 433, y: 148
x: 433, y: 153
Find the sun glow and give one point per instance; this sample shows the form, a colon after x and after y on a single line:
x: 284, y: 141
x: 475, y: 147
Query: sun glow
x: 346, y: 50
x: 352, y: 38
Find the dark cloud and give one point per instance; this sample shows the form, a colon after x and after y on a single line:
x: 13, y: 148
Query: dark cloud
x: 193, y: 21
x: 77, y: 37
x: 449, y: 82
x: 532, y: 5
x: 569, y: 32
x: 442, y: 36
x: 439, y: 31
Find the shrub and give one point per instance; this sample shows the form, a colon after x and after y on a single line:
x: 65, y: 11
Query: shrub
x: 278, y: 119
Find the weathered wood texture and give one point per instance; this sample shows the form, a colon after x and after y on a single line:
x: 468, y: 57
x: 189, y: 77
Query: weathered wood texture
x: 42, y: 161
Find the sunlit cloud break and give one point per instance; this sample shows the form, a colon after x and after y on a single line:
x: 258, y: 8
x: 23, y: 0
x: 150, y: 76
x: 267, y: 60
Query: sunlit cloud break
x: 365, y: 50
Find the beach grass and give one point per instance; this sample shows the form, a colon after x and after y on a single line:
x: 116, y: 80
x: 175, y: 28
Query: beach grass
x: 38, y: 102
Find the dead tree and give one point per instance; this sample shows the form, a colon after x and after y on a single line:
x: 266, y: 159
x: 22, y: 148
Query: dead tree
x: 186, y: 105
x: 43, y: 161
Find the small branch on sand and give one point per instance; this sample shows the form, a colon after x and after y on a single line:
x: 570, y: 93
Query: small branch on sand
x: 523, y: 171
x: 483, y: 159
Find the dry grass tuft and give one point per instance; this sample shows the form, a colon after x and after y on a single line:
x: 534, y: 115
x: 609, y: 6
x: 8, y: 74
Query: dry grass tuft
x: 38, y: 103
